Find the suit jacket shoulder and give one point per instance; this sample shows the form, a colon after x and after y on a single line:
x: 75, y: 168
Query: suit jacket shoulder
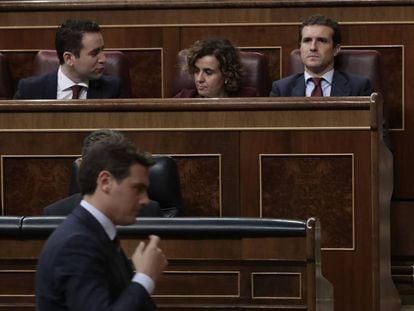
x: 45, y: 87
x: 105, y: 87
x: 64, y: 206
x: 343, y: 84
x: 81, y: 269
x: 186, y: 93
x: 293, y: 85
x: 245, y: 91
x: 38, y: 87
x: 347, y: 84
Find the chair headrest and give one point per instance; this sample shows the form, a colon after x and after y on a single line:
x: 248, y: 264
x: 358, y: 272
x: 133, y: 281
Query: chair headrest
x: 164, y: 184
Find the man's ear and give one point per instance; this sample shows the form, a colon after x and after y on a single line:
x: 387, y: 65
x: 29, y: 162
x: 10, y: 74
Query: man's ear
x: 68, y: 58
x: 337, y: 48
x: 104, y: 181
x: 78, y: 161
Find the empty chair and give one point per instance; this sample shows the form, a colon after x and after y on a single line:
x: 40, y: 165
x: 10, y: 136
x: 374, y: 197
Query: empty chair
x: 116, y: 65
x: 254, y: 66
x: 164, y: 185
x: 360, y: 62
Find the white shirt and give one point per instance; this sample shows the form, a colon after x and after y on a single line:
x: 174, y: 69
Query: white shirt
x: 110, y: 230
x: 326, y: 83
x: 64, y: 85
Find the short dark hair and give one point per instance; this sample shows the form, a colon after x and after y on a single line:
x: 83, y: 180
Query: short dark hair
x: 113, y: 155
x: 98, y: 135
x: 325, y: 21
x: 227, y: 55
x: 69, y: 36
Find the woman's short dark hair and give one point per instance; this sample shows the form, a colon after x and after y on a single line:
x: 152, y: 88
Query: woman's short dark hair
x: 227, y: 55
x: 69, y: 36
x: 113, y: 155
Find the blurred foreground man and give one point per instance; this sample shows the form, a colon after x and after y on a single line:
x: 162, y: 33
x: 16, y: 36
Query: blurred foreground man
x: 82, y: 266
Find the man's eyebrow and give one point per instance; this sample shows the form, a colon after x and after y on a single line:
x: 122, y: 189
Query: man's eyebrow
x: 141, y: 186
x: 97, y: 50
x: 317, y: 38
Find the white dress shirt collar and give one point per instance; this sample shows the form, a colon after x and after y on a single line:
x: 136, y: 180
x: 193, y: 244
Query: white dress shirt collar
x: 64, y: 85
x: 105, y: 222
x: 326, y: 83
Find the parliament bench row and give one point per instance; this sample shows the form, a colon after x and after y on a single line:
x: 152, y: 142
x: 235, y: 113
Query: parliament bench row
x: 214, y: 263
x: 255, y: 65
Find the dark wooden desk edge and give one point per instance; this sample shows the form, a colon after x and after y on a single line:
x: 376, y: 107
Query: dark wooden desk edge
x: 169, y: 104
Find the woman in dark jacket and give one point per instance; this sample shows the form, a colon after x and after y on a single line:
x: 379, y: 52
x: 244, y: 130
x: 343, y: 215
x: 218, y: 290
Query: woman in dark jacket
x: 217, y: 71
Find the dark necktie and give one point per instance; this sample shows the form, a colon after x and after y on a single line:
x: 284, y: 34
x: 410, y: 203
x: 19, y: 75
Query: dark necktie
x: 76, y: 91
x: 317, y: 91
x: 119, y: 250
x: 123, y: 266
x: 117, y: 244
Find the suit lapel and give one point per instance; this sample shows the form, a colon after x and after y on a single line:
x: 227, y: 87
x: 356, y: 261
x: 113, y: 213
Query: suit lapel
x: 119, y: 268
x: 94, y: 90
x: 50, y: 90
x: 298, y: 87
x: 340, y: 85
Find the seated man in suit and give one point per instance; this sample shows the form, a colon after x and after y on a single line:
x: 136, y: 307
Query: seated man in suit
x: 79, y: 46
x: 82, y: 266
x: 65, y: 206
x: 320, y: 39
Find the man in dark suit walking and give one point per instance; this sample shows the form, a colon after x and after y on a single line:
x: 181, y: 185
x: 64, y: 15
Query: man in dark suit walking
x: 79, y: 46
x: 82, y: 267
x: 320, y: 42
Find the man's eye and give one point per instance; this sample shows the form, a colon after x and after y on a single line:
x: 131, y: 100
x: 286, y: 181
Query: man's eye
x: 140, y: 189
x: 95, y: 52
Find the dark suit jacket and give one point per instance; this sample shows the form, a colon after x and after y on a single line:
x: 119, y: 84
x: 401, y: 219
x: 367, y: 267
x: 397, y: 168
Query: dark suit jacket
x: 80, y: 268
x: 45, y: 87
x: 65, y: 206
x: 245, y: 91
x: 343, y: 84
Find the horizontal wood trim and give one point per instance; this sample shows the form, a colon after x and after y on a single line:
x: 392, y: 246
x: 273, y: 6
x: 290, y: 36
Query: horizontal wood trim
x: 191, y: 114
x: 222, y: 104
x: 29, y: 5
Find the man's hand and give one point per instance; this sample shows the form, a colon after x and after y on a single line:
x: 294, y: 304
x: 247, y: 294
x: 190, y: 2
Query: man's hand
x: 149, y: 259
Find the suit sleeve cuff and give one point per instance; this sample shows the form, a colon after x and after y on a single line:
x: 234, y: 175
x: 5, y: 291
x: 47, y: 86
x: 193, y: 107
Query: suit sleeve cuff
x: 145, y: 281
